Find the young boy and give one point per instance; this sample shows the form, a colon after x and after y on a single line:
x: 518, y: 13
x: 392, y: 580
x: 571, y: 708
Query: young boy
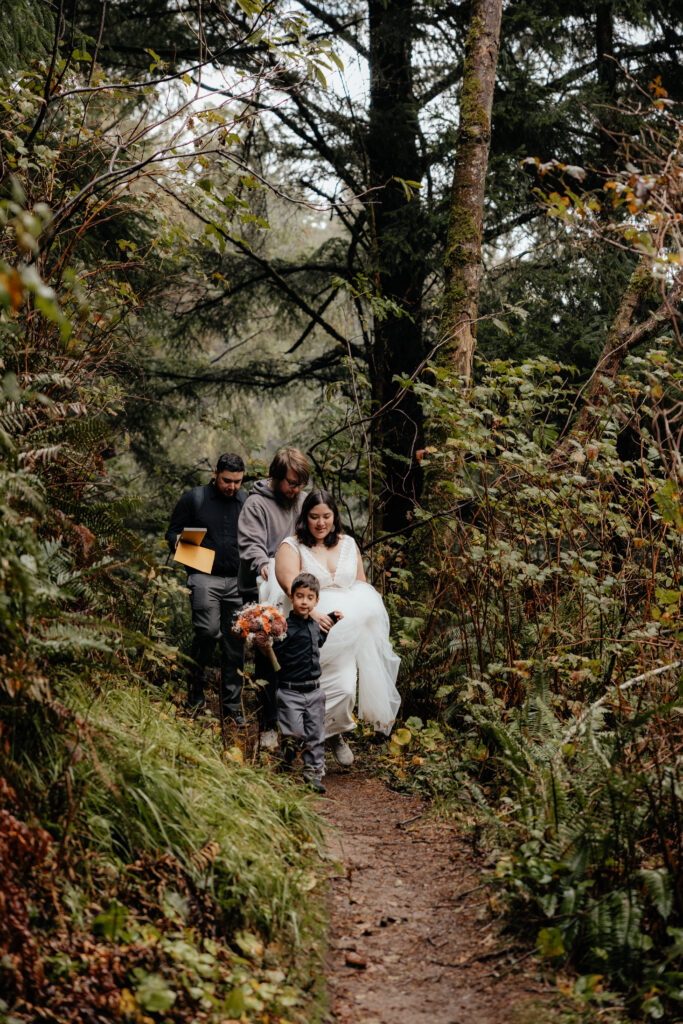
x: 300, y: 700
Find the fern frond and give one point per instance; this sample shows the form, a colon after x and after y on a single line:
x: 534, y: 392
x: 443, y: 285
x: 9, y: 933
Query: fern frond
x: 40, y: 455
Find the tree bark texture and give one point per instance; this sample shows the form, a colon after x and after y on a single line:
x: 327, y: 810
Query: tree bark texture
x: 462, y: 262
x: 397, y: 229
x: 607, y: 81
x: 604, y: 49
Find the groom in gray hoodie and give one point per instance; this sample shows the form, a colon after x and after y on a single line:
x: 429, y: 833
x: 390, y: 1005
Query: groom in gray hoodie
x: 268, y: 516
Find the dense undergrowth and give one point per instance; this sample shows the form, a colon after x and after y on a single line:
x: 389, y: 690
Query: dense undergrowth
x: 147, y: 875
x: 146, y: 872
x: 550, y: 645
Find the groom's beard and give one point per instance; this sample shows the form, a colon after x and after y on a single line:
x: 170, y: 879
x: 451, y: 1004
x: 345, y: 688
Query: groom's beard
x: 283, y: 502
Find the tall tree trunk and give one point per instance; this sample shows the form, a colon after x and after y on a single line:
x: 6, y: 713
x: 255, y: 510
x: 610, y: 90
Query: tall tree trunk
x: 463, y: 246
x: 398, y: 225
x: 604, y: 46
x: 607, y: 81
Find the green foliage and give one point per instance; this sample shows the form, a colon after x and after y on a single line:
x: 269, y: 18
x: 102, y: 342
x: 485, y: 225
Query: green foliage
x: 144, y: 870
x: 162, y: 781
x: 179, y: 899
x: 554, y: 586
x: 581, y: 819
x: 28, y: 28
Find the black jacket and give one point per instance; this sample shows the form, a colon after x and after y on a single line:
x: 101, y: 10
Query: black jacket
x: 206, y: 506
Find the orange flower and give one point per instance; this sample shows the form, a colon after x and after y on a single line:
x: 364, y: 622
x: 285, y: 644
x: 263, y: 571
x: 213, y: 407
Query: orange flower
x: 258, y: 618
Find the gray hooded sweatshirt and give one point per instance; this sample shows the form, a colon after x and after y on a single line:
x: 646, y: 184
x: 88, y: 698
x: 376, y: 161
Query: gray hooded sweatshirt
x: 263, y: 525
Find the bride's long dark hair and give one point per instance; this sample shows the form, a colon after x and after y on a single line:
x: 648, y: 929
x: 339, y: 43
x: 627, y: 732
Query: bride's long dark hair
x: 303, y: 534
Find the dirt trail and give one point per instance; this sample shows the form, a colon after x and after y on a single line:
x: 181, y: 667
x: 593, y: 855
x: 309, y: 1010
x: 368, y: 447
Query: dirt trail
x: 405, y: 946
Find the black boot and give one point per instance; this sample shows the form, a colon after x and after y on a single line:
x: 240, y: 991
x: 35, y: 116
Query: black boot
x: 195, y: 702
x: 233, y: 715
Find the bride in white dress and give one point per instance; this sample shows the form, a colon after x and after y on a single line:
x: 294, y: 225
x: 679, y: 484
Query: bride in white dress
x: 358, y: 648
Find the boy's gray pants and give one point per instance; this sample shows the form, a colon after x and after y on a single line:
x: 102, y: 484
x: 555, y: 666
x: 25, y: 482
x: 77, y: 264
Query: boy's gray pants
x: 302, y: 717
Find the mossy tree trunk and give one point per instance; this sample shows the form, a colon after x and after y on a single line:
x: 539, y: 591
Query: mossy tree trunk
x: 462, y: 262
x: 617, y: 345
x: 398, y: 233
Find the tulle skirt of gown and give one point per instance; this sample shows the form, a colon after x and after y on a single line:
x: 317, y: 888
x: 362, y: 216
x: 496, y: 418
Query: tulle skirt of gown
x: 357, y: 649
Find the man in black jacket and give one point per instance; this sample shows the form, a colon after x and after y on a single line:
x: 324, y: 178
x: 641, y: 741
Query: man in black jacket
x: 214, y: 597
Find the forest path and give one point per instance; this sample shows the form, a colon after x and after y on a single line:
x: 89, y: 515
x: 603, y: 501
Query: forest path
x: 412, y: 939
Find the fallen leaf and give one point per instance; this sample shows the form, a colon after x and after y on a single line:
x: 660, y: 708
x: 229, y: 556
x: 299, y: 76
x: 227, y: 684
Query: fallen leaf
x: 355, y: 960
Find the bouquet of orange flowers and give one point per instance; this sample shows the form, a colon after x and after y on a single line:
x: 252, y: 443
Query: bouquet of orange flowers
x: 261, y: 624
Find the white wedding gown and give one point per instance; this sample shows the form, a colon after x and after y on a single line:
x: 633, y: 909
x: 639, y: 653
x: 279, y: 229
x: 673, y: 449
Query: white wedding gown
x: 357, y: 647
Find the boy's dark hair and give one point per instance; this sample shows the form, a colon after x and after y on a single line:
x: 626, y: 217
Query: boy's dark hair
x: 305, y: 579
x: 288, y: 460
x: 229, y: 463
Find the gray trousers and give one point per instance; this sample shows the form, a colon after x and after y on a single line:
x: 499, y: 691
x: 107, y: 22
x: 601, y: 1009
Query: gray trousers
x: 302, y: 721
x: 214, y: 600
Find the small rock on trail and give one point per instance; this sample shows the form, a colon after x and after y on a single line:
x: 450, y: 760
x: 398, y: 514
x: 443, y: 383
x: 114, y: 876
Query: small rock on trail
x: 405, y: 947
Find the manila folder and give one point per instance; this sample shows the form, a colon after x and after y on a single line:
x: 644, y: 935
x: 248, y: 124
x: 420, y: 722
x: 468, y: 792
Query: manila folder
x: 191, y: 554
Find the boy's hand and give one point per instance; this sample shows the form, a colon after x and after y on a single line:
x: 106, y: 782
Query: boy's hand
x: 336, y: 617
x: 326, y: 622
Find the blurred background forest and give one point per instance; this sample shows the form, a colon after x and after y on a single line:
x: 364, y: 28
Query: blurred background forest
x: 437, y: 246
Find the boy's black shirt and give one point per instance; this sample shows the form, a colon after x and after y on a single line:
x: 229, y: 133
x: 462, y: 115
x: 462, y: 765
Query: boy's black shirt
x: 298, y: 653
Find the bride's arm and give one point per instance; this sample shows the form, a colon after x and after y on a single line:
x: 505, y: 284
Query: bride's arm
x: 287, y: 565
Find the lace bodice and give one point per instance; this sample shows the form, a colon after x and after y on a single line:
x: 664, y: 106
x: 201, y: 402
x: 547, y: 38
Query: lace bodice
x: 344, y: 575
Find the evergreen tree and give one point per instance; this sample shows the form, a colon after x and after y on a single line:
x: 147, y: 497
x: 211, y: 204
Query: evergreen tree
x: 557, y: 92
x: 28, y: 32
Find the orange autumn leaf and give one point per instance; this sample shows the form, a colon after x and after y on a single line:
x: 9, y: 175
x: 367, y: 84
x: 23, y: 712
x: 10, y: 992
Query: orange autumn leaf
x: 13, y: 286
x: 429, y: 450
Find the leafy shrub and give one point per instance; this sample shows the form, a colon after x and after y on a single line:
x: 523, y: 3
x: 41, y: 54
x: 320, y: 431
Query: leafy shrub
x: 555, y: 582
x: 159, y: 860
x: 141, y: 873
